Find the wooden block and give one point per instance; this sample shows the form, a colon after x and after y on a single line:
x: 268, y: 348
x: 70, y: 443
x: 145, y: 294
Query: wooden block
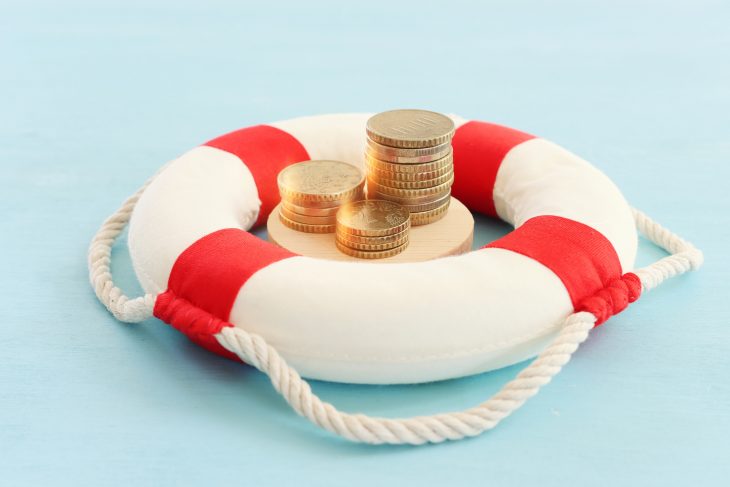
x: 451, y: 235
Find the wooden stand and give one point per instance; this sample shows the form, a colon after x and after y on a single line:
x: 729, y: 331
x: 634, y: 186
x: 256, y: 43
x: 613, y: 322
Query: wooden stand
x: 451, y: 235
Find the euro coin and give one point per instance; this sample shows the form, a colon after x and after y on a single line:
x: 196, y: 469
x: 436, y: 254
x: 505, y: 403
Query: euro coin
x: 308, y: 219
x: 320, y: 181
x: 397, y: 183
x: 348, y: 238
x: 305, y: 210
x: 439, y: 164
x: 408, y: 176
x: 372, y: 246
x: 373, y: 194
x: 419, y: 208
x: 410, y: 128
x: 430, y: 216
x: 370, y: 254
x: 324, y: 205
x: 304, y: 227
x: 409, y: 193
x: 372, y: 218
x: 408, y: 156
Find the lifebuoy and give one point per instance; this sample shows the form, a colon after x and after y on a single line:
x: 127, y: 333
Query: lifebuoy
x: 566, y: 267
x: 360, y: 322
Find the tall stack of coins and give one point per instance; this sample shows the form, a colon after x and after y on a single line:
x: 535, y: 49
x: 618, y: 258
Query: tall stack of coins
x: 312, y: 192
x: 410, y: 162
x: 372, y: 229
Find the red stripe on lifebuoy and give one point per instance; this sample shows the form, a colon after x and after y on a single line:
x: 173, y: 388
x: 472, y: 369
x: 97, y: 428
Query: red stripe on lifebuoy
x: 266, y: 151
x: 583, y: 259
x: 206, y: 279
x: 479, y: 149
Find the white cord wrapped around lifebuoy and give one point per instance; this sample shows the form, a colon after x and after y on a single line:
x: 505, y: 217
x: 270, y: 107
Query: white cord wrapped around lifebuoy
x: 565, y: 268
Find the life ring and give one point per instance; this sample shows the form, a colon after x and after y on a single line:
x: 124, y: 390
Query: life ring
x: 572, y: 250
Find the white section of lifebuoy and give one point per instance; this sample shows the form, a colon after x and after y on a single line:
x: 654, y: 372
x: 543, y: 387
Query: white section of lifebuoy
x: 202, y: 191
x: 333, y: 137
x: 403, y: 323
x: 345, y: 321
x: 538, y: 177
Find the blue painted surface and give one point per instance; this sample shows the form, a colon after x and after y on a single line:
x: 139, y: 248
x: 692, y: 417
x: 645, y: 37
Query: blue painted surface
x: 95, y: 96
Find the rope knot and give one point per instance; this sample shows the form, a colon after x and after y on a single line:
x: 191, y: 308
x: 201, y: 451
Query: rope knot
x: 613, y: 298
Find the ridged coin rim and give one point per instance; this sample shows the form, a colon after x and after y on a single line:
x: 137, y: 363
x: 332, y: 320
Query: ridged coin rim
x: 409, y: 202
x: 370, y: 254
x: 409, y: 193
x: 323, y: 197
x: 371, y: 247
x: 364, y: 239
x: 307, y: 219
x: 307, y: 211
x: 305, y: 228
x: 410, y: 176
x: 436, y: 165
x: 420, y: 184
x: 430, y: 216
x: 419, y: 208
x: 407, y: 156
x: 325, y: 204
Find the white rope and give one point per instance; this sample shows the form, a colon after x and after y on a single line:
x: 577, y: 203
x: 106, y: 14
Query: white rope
x: 100, y: 274
x: 421, y: 429
x: 683, y: 256
x: 253, y: 349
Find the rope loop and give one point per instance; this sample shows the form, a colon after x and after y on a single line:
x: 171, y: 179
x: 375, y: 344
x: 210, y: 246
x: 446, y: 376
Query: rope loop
x: 128, y: 310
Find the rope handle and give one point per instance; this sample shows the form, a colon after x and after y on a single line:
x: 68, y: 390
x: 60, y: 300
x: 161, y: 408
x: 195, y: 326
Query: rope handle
x: 254, y: 350
x: 128, y: 310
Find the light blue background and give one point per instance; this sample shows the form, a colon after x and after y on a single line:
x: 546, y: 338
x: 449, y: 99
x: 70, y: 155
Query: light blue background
x: 94, y: 96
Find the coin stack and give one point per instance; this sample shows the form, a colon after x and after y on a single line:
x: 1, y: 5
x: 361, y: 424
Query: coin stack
x: 372, y: 229
x: 410, y: 162
x: 312, y: 192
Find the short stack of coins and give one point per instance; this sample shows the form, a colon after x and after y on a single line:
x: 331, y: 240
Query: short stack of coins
x: 312, y: 192
x: 372, y: 229
x: 410, y: 162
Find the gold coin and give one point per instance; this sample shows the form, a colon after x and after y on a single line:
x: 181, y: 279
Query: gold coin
x: 408, y: 156
x: 397, y: 183
x: 408, y: 176
x: 320, y: 181
x: 419, y: 208
x: 382, y: 189
x: 430, y: 216
x: 370, y: 254
x: 385, y: 239
x: 325, y: 205
x: 308, y: 219
x: 305, y: 227
x: 371, y: 246
x: 439, y: 164
x: 306, y: 210
x: 410, y: 128
x: 372, y: 218
x: 409, y: 202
